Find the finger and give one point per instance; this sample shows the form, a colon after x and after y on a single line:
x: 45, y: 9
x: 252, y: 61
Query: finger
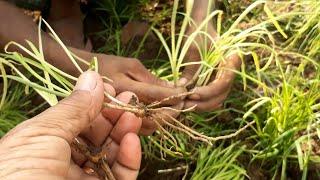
x: 128, y: 160
x: 78, y: 157
x: 73, y: 114
x: 148, y: 127
x: 214, y: 89
x: 98, y: 131
x: 75, y: 172
x: 110, y: 90
x: 190, y: 70
x: 222, y: 83
x: 233, y: 62
x: 127, y: 123
x: 100, y: 128
x: 209, y: 105
x: 141, y: 74
x: 164, y: 115
x: 105, y: 124
x: 149, y: 93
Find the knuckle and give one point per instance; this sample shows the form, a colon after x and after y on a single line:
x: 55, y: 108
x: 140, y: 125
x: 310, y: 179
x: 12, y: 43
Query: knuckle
x: 190, y: 71
x: 227, y: 82
x: 135, y: 61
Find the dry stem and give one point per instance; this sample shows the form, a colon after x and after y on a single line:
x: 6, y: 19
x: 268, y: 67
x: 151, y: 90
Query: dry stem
x: 158, y: 103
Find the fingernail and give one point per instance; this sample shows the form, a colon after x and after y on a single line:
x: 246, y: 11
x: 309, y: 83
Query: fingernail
x: 194, y: 97
x: 182, y: 81
x: 87, y: 81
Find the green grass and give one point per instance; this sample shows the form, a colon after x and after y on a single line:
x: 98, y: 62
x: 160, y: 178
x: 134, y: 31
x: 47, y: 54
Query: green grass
x: 219, y: 163
x: 281, y: 94
x: 16, y: 107
x: 286, y: 118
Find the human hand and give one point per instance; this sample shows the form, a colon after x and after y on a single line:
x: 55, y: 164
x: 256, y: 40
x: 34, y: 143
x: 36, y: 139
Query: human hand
x: 39, y: 148
x: 129, y: 74
x: 211, y: 96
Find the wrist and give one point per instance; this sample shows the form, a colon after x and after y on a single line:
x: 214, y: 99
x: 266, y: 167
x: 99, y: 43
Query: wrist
x: 200, y: 9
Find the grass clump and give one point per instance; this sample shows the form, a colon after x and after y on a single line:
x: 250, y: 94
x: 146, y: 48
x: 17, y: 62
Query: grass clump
x: 219, y: 163
x: 16, y: 107
x: 287, y: 120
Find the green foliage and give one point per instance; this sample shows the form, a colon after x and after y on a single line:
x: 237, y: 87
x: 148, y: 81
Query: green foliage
x: 288, y: 118
x: 219, y: 163
x: 280, y: 76
x: 16, y: 107
x: 306, y: 37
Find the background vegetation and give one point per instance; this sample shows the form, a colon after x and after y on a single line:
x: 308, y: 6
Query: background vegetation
x: 276, y: 93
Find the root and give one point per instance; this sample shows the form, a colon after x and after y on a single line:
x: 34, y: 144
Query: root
x: 180, y: 168
x: 154, y: 112
x: 233, y: 134
x: 97, y: 158
x: 166, y: 132
x: 137, y: 111
x: 107, y: 170
x: 198, y: 136
x: 187, y: 131
x: 158, y: 103
x: 174, y: 110
x: 117, y: 101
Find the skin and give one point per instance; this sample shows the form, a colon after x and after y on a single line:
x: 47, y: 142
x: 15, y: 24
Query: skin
x: 39, y: 148
x: 210, y: 97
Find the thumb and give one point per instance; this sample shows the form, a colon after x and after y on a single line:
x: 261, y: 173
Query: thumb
x: 74, y: 113
x: 190, y: 70
x: 188, y: 74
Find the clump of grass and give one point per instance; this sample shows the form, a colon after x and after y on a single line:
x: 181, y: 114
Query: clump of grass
x: 16, y: 106
x: 219, y: 163
x: 233, y: 41
x: 287, y: 120
x: 306, y: 37
x: 174, y: 52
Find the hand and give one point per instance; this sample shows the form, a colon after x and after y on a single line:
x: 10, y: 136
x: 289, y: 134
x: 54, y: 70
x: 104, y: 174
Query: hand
x: 129, y: 74
x: 39, y: 148
x: 208, y: 97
